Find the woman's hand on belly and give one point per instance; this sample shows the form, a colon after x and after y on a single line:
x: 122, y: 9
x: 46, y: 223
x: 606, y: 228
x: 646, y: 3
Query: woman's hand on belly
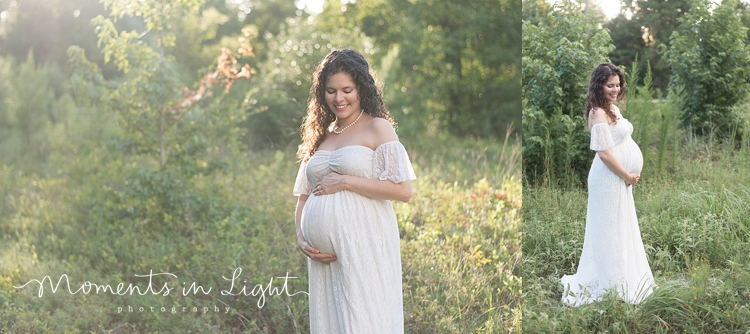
x: 373, y: 188
x: 330, y: 184
x: 315, y: 254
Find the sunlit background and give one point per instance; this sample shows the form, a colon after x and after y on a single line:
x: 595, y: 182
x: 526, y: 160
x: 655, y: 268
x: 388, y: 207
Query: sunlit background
x: 162, y: 134
x: 312, y: 6
x: 611, y: 8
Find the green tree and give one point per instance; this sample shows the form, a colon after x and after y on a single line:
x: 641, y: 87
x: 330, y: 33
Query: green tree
x: 709, y: 59
x: 627, y: 38
x: 267, y: 18
x: 743, y: 10
x: 558, y: 56
x: 149, y: 99
x: 535, y: 11
x: 653, y: 22
x: 276, y: 98
x: 195, y: 43
x: 27, y: 109
x: 455, y: 64
x: 166, y: 127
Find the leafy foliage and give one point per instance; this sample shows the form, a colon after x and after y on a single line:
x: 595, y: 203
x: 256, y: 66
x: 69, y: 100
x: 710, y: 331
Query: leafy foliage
x: 535, y: 11
x: 627, y: 37
x: 557, y: 61
x: 709, y: 59
x: 277, y: 99
x: 147, y: 99
x: 28, y: 108
x: 653, y: 21
x: 456, y: 63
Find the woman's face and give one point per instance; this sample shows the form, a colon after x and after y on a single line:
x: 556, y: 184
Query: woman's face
x: 342, y: 96
x: 612, y: 88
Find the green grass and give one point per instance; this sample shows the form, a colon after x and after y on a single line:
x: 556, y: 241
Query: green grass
x: 91, y: 215
x: 695, y: 223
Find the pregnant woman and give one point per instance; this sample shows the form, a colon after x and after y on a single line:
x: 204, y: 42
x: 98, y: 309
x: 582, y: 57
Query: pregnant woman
x: 613, y: 257
x: 352, y: 166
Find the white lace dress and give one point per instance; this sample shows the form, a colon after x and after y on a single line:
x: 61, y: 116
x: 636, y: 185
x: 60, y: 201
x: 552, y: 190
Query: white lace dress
x: 360, y: 292
x: 613, y: 257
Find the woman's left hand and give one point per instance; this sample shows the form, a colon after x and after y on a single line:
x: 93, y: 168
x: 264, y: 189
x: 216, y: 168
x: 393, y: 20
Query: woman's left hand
x: 331, y: 183
x: 634, y: 179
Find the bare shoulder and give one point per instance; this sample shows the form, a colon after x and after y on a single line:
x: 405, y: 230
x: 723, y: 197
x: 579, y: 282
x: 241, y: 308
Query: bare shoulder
x: 597, y: 116
x: 382, y: 131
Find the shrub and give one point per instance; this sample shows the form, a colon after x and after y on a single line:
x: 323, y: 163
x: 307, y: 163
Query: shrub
x: 558, y: 56
x: 709, y: 59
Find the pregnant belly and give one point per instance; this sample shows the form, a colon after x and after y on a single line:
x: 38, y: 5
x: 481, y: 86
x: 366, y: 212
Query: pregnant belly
x: 334, y: 223
x: 629, y: 155
x: 327, y: 218
x: 318, y: 222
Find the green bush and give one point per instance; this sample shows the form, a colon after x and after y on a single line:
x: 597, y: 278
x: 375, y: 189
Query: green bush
x: 28, y: 107
x: 709, y: 60
x: 558, y: 56
x: 277, y: 100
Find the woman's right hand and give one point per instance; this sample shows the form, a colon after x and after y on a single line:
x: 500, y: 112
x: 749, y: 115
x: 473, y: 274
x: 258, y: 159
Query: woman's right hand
x: 315, y: 254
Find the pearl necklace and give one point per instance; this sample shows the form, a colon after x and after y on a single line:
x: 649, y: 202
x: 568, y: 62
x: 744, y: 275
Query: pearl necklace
x: 346, y: 127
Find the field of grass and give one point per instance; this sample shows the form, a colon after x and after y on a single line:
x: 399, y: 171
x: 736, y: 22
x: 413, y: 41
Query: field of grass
x: 695, y: 223
x: 102, y: 215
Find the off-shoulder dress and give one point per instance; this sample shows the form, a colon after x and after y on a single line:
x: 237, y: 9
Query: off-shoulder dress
x: 360, y: 292
x: 613, y: 257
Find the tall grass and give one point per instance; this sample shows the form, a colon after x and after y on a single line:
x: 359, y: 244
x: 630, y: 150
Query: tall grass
x: 655, y: 121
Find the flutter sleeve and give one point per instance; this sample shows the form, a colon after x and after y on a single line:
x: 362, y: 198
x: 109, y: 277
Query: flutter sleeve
x: 392, y: 163
x: 601, y: 137
x: 301, y: 185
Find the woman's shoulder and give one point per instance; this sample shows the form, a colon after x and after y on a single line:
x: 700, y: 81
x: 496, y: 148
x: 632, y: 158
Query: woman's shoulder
x: 381, y: 131
x: 597, y: 115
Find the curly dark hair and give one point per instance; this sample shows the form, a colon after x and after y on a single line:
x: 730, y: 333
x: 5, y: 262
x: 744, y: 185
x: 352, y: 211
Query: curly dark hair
x: 319, y: 118
x: 595, y: 96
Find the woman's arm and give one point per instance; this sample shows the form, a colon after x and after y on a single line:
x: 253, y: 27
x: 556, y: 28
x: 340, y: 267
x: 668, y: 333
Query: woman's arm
x: 373, y: 188
x: 379, y: 131
x: 614, y: 165
x: 310, y: 251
